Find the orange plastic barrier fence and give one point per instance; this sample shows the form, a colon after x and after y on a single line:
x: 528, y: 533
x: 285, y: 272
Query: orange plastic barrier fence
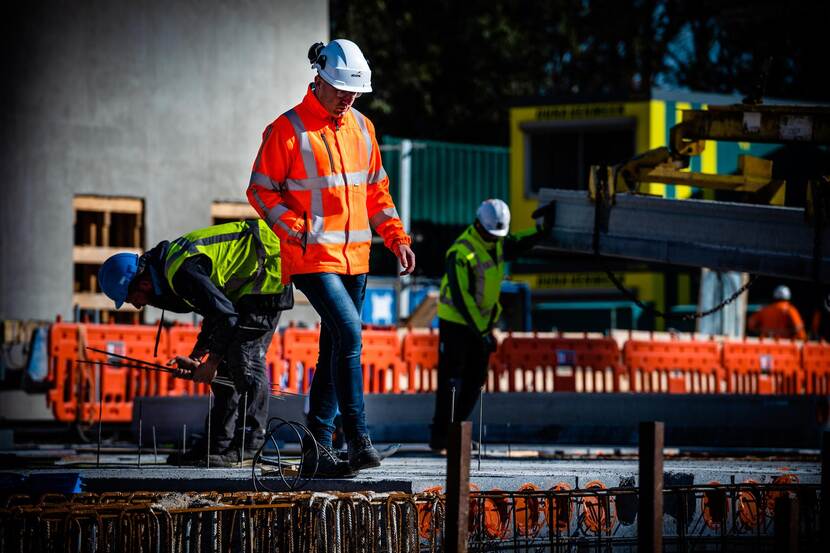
x: 420, y: 353
x: 547, y: 364
x: 764, y: 367
x: 675, y: 366
x: 80, y: 389
x: 381, y: 360
x: 275, y: 366
x: 521, y: 364
x: 815, y: 358
x: 300, y: 348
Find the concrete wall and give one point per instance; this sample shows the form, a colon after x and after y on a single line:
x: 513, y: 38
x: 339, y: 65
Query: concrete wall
x: 164, y: 101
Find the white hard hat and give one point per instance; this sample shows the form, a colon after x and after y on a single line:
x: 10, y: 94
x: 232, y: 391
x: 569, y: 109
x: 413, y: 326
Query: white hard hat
x: 341, y: 64
x: 494, y: 216
x: 782, y: 293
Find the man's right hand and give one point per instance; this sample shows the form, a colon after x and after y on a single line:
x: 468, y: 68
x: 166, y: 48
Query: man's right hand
x: 186, y: 365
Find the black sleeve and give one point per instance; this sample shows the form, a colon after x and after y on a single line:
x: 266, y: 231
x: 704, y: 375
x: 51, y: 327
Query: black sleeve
x: 516, y: 245
x: 192, y: 282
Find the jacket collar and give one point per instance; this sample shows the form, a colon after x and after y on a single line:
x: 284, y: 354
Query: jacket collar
x: 474, y: 234
x: 316, y: 109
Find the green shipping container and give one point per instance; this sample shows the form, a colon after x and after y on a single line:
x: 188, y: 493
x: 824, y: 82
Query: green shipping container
x: 449, y: 180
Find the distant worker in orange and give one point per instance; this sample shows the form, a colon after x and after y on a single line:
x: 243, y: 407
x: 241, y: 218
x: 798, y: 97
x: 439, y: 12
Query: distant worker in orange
x: 780, y: 319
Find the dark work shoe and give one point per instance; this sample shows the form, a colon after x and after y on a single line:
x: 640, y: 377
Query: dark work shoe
x: 362, y: 454
x: 193, y: 457
x: 327, y: 463
x: 231, y: 459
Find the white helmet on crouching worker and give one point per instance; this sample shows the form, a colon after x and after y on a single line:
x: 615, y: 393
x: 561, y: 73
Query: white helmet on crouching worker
x: 341, y: 64
x: 782, y: 293
x: 494, y: 216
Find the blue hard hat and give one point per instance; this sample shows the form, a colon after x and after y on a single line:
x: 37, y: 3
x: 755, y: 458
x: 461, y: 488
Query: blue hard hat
x: 115, y: 276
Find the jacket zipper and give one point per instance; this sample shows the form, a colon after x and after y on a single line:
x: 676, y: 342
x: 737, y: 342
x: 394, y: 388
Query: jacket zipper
x: 347, y: 191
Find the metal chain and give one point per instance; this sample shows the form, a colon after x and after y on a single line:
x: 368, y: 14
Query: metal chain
x: 601, y: 200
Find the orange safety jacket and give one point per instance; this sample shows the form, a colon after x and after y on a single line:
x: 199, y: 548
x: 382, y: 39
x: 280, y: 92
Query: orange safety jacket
x: 319, y: 184
x: 778, y: 320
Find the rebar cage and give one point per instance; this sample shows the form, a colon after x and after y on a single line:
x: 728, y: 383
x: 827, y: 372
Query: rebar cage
x: 735, y: 517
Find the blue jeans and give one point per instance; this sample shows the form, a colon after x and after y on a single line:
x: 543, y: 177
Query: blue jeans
x: 338, y: 379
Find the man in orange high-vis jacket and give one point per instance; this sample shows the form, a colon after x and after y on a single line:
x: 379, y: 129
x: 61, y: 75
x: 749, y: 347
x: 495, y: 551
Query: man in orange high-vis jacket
x: 319, y: 183
x: 779, y: 319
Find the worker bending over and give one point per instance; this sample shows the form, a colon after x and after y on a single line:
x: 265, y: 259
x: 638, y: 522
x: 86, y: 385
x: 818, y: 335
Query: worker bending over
x: 231, y: 275
x: 779, y: 319
x: 469, y: 309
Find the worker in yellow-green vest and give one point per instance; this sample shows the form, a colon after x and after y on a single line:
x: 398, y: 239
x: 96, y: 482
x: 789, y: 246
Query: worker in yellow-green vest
x: 231, y: 275
x: 469, y: 309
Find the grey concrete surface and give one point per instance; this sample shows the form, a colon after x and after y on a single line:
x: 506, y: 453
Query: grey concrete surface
x: 164, y: 101
x: 413, y: 470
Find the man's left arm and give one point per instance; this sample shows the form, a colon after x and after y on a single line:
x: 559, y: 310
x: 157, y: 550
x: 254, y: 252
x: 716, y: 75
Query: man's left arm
x: 518, y: 244
x: 383, y: 217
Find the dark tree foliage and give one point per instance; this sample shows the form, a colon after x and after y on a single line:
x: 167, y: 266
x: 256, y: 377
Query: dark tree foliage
x: 450, y: 70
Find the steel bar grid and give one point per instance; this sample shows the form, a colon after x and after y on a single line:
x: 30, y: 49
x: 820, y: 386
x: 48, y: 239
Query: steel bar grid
x: 736, y: 517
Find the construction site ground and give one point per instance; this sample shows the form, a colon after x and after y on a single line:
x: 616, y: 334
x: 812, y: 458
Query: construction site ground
x: 56, y: 469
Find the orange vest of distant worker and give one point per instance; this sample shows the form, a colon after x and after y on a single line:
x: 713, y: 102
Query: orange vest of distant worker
x: 319, y: 184
x: 778, y: 320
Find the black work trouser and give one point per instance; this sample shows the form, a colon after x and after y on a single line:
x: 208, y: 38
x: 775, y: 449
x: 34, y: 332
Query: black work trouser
x: 244, y: 364
x: 462, y: 363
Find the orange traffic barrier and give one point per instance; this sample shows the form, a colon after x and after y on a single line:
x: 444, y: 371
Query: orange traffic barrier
x: 528, y: 511
x: 715, y: 506
x: 381, y: 360
x: 560, y: 510
x: 815, y: 358
x: 546, y: 364
x: 765, y: 367
x: 67, y: 376
x: 772, y: 497
x: 496, y: 515
x: 420, y: 354
x: 427, y: 512
x: 300, y: 348
x: 674, y: 366
x: 598, y: 514
x: 748, y: 506
x: 81, y: 390
x: 275, y: 365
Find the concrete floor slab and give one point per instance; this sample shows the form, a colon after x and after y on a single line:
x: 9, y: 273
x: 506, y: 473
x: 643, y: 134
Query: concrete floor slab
x: 412, y: 470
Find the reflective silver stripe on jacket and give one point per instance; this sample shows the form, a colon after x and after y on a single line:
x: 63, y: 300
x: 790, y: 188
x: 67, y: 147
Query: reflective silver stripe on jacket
x: 382, y: 216
x: 326, y: 181
x: 339, y: 237
x: 446, y: 299
x: 361, y: 122
x: 480, y: 268
x: 264, y: 180
x: 272, y: 216
x: 310, y: 164
x: 376, y: 176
